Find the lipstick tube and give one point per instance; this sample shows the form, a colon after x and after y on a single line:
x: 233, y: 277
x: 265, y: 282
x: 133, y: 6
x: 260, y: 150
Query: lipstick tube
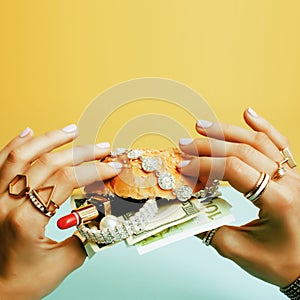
x: 80, y: 215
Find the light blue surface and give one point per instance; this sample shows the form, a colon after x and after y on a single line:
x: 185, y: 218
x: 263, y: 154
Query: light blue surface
x: 183, y: 270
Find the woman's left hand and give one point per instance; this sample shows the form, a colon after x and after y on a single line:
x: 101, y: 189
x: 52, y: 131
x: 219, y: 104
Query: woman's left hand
x: 269, y: 246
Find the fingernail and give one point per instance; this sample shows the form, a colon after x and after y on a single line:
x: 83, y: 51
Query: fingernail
x: 204, y: 123
x: 70, y: 128
x: 25, y: 132
x: 185, y: 141
x: 183, y: 163
x: 115, y: 165
x: 103, y: 145
x: 252, y: 112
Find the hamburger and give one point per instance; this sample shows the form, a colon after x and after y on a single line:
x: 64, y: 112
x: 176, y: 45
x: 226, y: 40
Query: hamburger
x: 146, y: 174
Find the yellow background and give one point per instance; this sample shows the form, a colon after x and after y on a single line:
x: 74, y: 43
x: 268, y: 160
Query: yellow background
x: 57, y: 56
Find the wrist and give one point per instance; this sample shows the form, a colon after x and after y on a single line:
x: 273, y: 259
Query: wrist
x: 16, y: 292
x: 293, y: 290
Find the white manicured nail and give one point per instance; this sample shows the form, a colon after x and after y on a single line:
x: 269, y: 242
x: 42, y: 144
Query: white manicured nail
x: 115, y: 165
x: 70, y: 128
x: 103, y: 145
x: 25, y: 132
x: 204, y: 123
x: 185, y: 141
x: 252, y: 112
x: 183, y: 163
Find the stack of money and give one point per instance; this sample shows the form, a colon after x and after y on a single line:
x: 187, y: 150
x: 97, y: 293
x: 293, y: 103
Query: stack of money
x: 197, y: 218
x: 176, y: 221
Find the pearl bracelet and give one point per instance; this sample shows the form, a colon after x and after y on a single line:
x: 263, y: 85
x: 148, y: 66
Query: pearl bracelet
x: 114, y: 229
x: 293, y: 290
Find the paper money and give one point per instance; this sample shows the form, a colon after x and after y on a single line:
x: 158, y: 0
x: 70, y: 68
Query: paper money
x: 169, y: 214
x: 215, y: 213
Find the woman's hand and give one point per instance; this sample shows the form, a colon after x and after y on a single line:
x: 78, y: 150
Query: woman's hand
x: 269, y: 247
x: 32, y: 265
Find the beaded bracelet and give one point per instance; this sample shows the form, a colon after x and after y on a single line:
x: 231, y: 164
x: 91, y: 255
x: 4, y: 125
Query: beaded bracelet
x: 208, y: 236
x: 293, y: 290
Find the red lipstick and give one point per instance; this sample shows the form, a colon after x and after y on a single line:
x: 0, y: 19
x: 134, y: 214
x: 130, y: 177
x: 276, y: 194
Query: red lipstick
x: 80, y: 215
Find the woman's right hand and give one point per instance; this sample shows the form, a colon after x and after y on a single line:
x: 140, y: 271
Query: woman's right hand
x: 32, y: 265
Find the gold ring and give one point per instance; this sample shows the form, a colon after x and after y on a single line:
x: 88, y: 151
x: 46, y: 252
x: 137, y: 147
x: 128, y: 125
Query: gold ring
x: 280, y: 172
x: 286, y: 153
x: 41, y: 198
x: 19, y: 187
x: 259, y: 188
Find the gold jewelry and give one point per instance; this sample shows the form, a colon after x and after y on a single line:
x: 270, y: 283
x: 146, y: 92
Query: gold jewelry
x: 47, y: 191
x: 15, y: 190
x: 286, y: 153
x: 39, y: 206
x: 259, y: 188
x: 280, y: 172
x: 41, y: 198
x: 42, y: 203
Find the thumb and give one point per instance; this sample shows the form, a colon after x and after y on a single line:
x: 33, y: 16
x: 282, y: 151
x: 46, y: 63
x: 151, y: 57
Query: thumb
x: 240, y: 245
x: 72, y: 253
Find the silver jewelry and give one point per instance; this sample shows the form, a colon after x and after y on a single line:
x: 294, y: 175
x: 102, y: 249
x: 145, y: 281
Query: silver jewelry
x: 114, y: 229
x: 293, y: 290
x: 166, y: 180
x: 286, y: 153
x: 260, y: 187
x: 209, y: 236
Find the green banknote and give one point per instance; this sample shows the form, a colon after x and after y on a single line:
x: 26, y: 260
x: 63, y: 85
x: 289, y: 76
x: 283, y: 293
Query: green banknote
x: 214, y: 213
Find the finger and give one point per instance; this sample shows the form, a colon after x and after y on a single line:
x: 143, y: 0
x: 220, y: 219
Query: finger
x: 50, y: 163
x: 260, y: 124
x: 231, y: 133
x: 19, y: 159
x: 64, y: 182
x: 241, y: 176
x: 25, y: 136
x: 217, y: 148
x: 230, y: 169
x: 70, y: 178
